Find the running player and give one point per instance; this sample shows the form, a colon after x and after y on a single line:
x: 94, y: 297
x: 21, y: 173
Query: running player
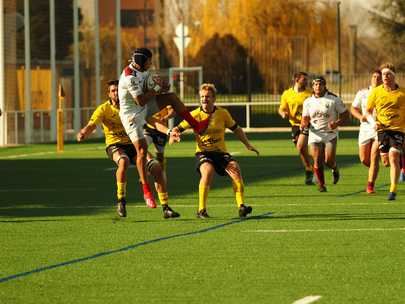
x: 211, y: 152
x: 291, y: 104
x: 323, y: 112
x: 134, y: 94
x: 120, y: 150
x: 368, y: 143
x: 388, y: 101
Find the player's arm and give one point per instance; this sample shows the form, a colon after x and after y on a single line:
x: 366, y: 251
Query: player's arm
x: 343, y: 118
x: 83, y: 133
x: 174, y: 134
x: 140, y: 97
x: 371, y: 102
x: 283, y: 109
x: 241, y: 135
x: 305, y: 119
x: 356, y: 113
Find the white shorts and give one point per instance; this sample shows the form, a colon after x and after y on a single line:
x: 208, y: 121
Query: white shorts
x: 366, y: 135
x: 316, y: 137
x: 133, y: 123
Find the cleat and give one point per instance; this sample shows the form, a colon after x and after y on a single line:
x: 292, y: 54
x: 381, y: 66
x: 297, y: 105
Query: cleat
x: 309, y: 178
x: 322, y: 188
x: 202, y: 126
x: 370, y: 190
x: 202, y: 214
x: 149, y: 200
x: 392, y: 196
x: 244, y: 211
x: 121, y: 208
x: 336, y: 175
x: 169, y: 212
x: 402, y: 177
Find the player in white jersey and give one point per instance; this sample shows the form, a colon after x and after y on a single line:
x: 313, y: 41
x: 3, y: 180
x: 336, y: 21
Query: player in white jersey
x: 135, y: 95
x: 368, y: 142
x: 323, y: 112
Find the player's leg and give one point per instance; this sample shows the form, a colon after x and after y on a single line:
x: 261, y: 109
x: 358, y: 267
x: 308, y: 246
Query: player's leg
x: 394, y: 158
x: 374, y: 166
x: 155, y: 169
x: 317, y: 152
x: 302, y: 147
x: 141, y: 154
x: 171, y: 99
x: 330, y: 159
x: 207, y: 171
x: 235, y: 174
x: 402, y: 174
x: 365, y: 152
x: 121, y: 159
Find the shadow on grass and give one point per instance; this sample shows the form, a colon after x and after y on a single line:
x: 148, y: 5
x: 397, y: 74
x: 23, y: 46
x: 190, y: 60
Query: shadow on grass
x: 57, y: 187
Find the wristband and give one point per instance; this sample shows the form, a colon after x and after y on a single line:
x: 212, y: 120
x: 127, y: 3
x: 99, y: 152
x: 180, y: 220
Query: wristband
x: 168, y: 132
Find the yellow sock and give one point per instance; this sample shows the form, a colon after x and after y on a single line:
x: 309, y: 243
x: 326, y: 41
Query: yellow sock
x: 163, y: 198
x: 121, y: 190
x: 393, y: 188
x: 238, y: 188
x: 202, y: 195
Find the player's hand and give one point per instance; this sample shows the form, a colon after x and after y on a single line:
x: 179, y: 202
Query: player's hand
x: 80, y: 136
x: 284, y: 115
x: 253, y: 149
x: 174, y: 136
x: 332, y: 125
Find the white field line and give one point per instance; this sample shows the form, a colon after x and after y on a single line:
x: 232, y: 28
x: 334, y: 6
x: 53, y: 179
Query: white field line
x: 307, y: 300
x: 48, y: 152
x: 324, y: 230
x: 47, y: 189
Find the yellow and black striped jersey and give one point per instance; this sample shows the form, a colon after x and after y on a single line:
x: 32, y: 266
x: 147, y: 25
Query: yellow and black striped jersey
x: 389, y: 107
x: 292, y: 102
x: 213, y: 139
x: 108, y: 116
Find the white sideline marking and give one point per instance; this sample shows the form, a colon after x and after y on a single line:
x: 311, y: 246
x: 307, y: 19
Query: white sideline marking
x: 47, y: 189
x: 47, y: 153
x: 324, y: 230
x: 307, y: 300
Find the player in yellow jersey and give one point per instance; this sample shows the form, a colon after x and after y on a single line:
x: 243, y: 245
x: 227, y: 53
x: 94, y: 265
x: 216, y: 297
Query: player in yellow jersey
x: 388, y: 101
x: 211, y: 152
x: 120, y: 150
x: 291, y: 104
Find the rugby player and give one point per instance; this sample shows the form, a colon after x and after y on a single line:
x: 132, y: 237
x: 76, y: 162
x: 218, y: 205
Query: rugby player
x: 121, y: 151
x: 290, y: 108
x: 211, y: 152
x: 368, y: 143
x: 388, y: 101
x: 322, y: 113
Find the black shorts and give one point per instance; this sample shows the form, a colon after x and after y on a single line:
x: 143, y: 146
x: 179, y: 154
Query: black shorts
x: 128, y: 149
x: 159, y: 139
x: 388, y: 139
x: 219, y: 160
x: 295, y: 133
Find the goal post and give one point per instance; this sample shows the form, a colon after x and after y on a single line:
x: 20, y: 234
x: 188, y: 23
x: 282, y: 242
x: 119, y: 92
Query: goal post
x: 182, y: 78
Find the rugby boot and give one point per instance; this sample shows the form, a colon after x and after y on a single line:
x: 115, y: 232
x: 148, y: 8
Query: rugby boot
x: 244, y: 210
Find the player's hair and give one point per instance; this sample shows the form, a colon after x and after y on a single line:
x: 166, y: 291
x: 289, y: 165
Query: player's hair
x: 387, y: 65
x: 112, y: 82
x: 209, y: 87
x: 376, y: 71
x: 320, y: 79
x: 298, y: 75
x: 140, y: 56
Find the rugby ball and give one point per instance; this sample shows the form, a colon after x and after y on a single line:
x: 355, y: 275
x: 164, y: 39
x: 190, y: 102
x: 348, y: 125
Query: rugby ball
x: 150, y: 82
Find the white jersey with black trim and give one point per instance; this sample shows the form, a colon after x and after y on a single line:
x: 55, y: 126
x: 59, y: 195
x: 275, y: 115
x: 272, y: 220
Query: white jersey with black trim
x: 322, y: 110
x: 131, y: 84
x: 360, y: 102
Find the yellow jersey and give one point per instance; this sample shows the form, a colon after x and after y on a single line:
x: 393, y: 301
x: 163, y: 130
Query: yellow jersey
x: 293, y: 102
x: 108, y: 116
x: 213, y: 139
x: 159, y: 116
x: 389, y: 107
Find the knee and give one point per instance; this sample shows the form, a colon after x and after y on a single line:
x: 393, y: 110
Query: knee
x: 365, y: 162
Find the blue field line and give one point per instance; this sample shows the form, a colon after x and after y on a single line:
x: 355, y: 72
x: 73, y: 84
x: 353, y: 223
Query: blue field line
x: 127, y: 248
